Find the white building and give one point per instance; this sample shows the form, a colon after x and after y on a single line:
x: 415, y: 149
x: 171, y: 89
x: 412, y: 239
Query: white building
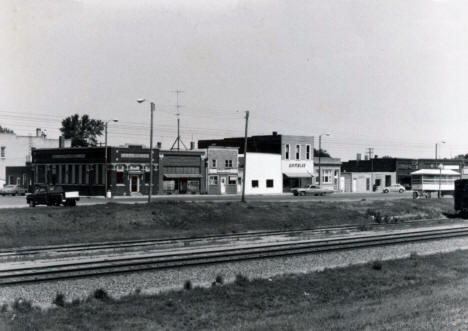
x: 264, y: 174
x: 16, y: 150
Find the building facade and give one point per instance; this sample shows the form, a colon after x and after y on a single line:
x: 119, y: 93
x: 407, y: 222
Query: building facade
x: 263, y: 173
x: 222, y: 170
x: 296, y: 154
x: 181, y: 172
x: 15, y: 151
x: 84, y: 169
x: 330, y: 170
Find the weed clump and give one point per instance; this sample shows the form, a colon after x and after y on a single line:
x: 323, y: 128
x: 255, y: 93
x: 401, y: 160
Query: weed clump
x: 220, y: 279
x: 22, y: 305
x: 377, y: 265
x: 241, y: 280
x: 101, y: 294
x: 188, y: 285
x: 59, y: 299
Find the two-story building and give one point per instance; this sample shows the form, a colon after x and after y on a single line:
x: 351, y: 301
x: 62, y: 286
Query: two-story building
x: 222, y: 170
x: 15, y: 152
x: 296, y: 154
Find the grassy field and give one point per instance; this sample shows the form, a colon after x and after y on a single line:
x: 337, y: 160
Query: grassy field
x: 58, y: 225
x: 418, y: 293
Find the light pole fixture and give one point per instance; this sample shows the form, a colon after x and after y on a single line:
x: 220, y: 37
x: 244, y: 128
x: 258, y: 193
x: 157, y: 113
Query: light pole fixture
x: 152, y: 110
x: 436, y: 145
x: 320, y: 157
x: 441, y: 166
x: 106, y: 184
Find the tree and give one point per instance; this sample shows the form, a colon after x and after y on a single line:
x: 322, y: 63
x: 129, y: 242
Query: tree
x: 82, y: 131
x: 5, y: 130
x: 321, y: 153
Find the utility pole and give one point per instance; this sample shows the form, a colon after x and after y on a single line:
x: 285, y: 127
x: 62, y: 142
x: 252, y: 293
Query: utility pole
x: 178, y: 106
x: 245, y: 156
x: 320, y: 157
x: 370, y: 152
x: 153, y: 108
x: 106, y: 184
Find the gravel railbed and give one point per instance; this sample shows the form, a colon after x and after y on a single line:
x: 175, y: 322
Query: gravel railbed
x: 149, y: 282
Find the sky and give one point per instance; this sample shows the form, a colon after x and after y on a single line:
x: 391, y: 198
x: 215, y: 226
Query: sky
x: 391, y: 75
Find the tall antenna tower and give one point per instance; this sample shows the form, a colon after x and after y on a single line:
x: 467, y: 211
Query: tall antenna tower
x: 178, y: 140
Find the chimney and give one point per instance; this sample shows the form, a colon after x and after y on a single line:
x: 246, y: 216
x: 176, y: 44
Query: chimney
x: 192, y: 145
x: 358, y: 156
x: 38, y: 132
x: 61, y: 142
x: 275, y: 133
x: 366, y: 157
x: 376, y: 156
x: 158, y: 145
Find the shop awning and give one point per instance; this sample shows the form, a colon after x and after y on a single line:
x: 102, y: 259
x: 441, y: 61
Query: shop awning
x: 182, y: 175
x: 298, y: 175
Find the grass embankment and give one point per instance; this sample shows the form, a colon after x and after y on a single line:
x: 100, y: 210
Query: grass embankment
x: 58, y: 225
x: 425, y: 293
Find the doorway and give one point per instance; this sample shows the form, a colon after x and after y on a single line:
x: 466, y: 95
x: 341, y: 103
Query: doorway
x: 223, y: 185
x: 134, y: 184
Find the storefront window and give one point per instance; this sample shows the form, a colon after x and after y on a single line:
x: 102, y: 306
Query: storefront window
x: 254, y: 183
x: 298, y: 152
x: 308, y: 152
x: 269, y: 183
x: 327, y: 176
x: 119, y: 177
x: 286, y: 152
x: 213, y: 180
x: 232, y: 180
x: 147, y: 177
x: 228, y: 164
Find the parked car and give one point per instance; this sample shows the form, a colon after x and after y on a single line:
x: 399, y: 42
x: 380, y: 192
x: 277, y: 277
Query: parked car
x: 394, y: 188
x: 311, y: 189
x: 12, y: 190
x: 52, y: 196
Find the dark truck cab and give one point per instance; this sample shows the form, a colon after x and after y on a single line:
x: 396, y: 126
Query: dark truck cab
x: 461, y: 196
x: 52, y: 196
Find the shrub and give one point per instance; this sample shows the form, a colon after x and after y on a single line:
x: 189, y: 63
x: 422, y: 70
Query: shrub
x: 188, y: 285
x: 377, y: 265
x: 220, y: 279
x: 59, y: 299
x: 100, y: 294
x: 241, y: 280
x: 22, y: 305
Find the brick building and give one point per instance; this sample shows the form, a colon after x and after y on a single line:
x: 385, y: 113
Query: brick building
x: 222, y: 170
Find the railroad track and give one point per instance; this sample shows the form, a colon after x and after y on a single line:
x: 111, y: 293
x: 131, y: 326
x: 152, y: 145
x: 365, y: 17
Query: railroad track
x: 182, y: 241
x: 118, y: 265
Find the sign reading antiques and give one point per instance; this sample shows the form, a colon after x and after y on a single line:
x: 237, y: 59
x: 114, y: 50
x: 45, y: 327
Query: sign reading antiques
x: 297, y: 166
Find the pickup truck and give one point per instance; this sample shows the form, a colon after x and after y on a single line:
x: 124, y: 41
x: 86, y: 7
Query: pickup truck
x: 311, y: 189
x: 52, y: 196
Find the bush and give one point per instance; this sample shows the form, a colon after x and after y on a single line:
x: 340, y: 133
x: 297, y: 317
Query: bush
x: 188, y: 285
x: 377, y: 265
x: 100, y: 294
x: 241, y: 280
x: 22, y: 305
x: 220, y: 279
x: 59, y: 299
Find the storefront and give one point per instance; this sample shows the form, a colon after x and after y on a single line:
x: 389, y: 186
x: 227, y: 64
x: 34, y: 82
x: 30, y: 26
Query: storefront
x: 181, y: 172
x: 297, y: 173
x: 85, y: 169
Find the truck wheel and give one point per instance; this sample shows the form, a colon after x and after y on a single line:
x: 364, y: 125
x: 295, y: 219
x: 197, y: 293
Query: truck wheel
x: 401, y: 190
x: 73, y: 203
x: 32, y: 204
x: 302, y: 193
x: 295, y: 194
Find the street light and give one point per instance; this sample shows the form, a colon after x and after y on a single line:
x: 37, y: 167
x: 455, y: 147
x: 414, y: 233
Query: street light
x: 152, y: 109
x: 436, y: 144
x: 320, y: 157
x: 105, y: 155
x: 441, y: 166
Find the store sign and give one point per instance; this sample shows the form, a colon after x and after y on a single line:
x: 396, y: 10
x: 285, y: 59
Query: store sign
x: 297, y: 166
x: 135, y: 155
x: 68, y: 156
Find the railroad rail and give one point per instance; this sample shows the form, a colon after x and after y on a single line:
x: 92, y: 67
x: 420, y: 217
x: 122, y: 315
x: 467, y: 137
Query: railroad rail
x: 142, y: 243
x: 118, y: 265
